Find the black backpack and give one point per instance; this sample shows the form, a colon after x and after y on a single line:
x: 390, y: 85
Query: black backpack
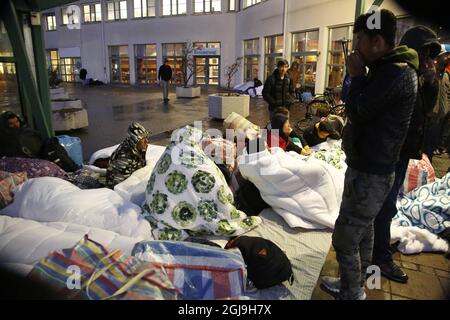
x: 56, y: 153
x: 267, y: 264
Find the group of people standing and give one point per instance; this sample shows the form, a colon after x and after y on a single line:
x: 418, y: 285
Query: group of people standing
x: 396, y: 106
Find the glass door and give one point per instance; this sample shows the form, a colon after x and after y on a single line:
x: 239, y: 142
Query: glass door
x: 207, y: 71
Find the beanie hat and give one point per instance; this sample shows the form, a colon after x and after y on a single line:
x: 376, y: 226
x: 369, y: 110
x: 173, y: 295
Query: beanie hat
x: 421, y: 36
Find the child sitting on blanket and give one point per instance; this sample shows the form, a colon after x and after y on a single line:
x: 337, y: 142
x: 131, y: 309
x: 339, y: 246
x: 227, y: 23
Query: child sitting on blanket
x: 282, y: 138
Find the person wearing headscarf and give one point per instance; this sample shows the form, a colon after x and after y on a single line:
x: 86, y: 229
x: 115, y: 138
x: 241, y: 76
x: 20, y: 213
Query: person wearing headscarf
x: 129, y: 156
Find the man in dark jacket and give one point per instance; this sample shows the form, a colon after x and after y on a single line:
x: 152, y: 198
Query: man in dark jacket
x: 379, y: 106
x: 279, y: 90
x: 164, y: 76
x: 424, y: 41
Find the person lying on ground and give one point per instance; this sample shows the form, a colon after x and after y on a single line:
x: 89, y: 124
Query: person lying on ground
x: 129, y: 155
x: 18, y: 139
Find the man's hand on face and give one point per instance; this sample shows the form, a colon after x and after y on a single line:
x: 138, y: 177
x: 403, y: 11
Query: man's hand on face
x: 355, y: 64
x: 428, y: 70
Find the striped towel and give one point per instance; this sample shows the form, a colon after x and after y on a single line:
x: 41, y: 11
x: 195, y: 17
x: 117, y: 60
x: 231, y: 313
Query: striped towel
x: 237, y: 122
x: 200, y: 272
x: 89, y: 271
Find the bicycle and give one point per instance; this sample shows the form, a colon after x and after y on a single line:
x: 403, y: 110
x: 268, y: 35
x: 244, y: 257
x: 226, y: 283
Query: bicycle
x: 320, y: 106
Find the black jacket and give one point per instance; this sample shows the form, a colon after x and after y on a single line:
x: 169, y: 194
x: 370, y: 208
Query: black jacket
x: 165, y: 73
x: 416, y: 38
x: 278, y: 92
x: 379, y: 107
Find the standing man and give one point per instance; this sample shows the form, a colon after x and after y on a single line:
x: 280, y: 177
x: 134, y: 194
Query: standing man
x: 424, y: 41
x: 379, y: 106
x: 279, y: 90
x: 164, y: 76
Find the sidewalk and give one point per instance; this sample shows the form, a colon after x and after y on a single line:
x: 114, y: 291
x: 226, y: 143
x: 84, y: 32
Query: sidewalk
x: 112, y: 108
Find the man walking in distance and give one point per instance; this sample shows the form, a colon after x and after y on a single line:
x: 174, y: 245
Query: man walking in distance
x: 164, y: 76
x: 379, y: 106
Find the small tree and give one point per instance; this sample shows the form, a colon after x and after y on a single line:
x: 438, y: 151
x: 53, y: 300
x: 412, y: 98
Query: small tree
x: 53, y: 79
x: 187, y: 63
x: 231, y: 70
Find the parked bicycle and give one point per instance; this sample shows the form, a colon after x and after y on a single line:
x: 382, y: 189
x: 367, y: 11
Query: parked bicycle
x: 321, y: 105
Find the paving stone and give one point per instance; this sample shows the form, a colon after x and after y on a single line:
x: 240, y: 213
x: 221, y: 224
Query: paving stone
x: 445, y: 283
x: 420, y: 286
x: 319, y: 294
x: 410, y: 266
x: 377, y: 295
x: 443, y: 274
x: 394, y: 297
x: 436, y: 261
x: 426, y: 269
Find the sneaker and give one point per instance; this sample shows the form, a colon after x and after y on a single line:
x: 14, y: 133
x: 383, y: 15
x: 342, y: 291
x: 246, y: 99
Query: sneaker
x: 332, y: 286
x: 393, y: 272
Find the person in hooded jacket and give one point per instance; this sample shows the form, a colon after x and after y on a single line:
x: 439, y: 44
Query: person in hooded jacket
x: 379, y: 106
x: 129, y: 155
x: 424, y: 41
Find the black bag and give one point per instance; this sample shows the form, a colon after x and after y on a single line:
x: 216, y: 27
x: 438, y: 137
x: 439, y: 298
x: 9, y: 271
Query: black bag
x: 249, y: 199
x: 56, y: 153
x: 267, y: 264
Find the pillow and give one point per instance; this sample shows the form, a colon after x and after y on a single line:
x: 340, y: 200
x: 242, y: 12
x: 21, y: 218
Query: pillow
x: 133, y: 188
x: 33, y: 167
x: 8, y: 181
x: 52, y: 199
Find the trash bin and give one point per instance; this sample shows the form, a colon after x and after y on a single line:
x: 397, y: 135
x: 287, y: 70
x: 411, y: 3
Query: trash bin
x: 73, y: 148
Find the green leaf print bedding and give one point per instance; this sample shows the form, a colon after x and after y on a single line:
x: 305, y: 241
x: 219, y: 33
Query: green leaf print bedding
x: 187, y: 194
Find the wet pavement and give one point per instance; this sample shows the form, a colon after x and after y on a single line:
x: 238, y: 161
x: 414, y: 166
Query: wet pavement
x: 112, y: 108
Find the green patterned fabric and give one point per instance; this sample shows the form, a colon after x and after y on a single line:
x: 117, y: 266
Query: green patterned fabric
x: 188, y: 195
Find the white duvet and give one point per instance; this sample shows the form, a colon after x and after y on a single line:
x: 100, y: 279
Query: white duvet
x: 24, y: 242
x: 306, y: 194
x: 51, y: 199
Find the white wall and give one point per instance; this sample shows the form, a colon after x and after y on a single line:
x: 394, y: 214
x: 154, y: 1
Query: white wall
x: 230, y: 28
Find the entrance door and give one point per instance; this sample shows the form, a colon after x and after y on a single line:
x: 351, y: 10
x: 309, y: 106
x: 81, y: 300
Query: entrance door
x: 207, y: 70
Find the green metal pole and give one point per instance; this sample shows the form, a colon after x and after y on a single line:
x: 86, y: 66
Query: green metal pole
x: 42, y: 73
x: 13, y: 27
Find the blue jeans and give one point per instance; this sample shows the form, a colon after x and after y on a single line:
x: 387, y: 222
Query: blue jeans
x: 382, y: 225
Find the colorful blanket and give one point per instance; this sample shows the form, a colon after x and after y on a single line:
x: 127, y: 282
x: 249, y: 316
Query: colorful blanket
x: 427, y: 207
x: 187, y: 193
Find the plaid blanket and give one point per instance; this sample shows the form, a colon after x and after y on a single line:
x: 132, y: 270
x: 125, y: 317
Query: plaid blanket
x: 198, y: 271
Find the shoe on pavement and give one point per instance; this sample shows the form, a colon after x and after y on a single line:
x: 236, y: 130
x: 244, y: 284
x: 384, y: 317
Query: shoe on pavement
x: 332, y: 286
x: 393, y: 272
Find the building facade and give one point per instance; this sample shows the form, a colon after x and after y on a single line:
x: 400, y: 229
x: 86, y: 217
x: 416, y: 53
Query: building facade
x: 125, y: 41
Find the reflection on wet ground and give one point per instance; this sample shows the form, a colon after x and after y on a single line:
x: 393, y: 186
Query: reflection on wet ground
x: 9, y: 96
x: 112, y: 108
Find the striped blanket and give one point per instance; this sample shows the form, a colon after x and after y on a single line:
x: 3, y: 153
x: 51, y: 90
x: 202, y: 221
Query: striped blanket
x: 89, y: 271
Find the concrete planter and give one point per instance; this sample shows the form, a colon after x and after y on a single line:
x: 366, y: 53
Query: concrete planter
x: 220, y: 106
x: 58, y: 93
x: 70, y: 119
x: 189, y: 92
x: 60, y: 104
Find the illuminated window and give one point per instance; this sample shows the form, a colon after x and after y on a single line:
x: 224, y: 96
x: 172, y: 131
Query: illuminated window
x: 144, y: 8
x: 251, y: 59
x: 305, y: 46
x: 173, y: 7
x: 206, y: 6
x: 50, y: 22
x: 335, y: 60
x: 146, y: 69
x: 249, y: 3
x: 273, y: 52
x: 117, y: 10
x: 92, y: 12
